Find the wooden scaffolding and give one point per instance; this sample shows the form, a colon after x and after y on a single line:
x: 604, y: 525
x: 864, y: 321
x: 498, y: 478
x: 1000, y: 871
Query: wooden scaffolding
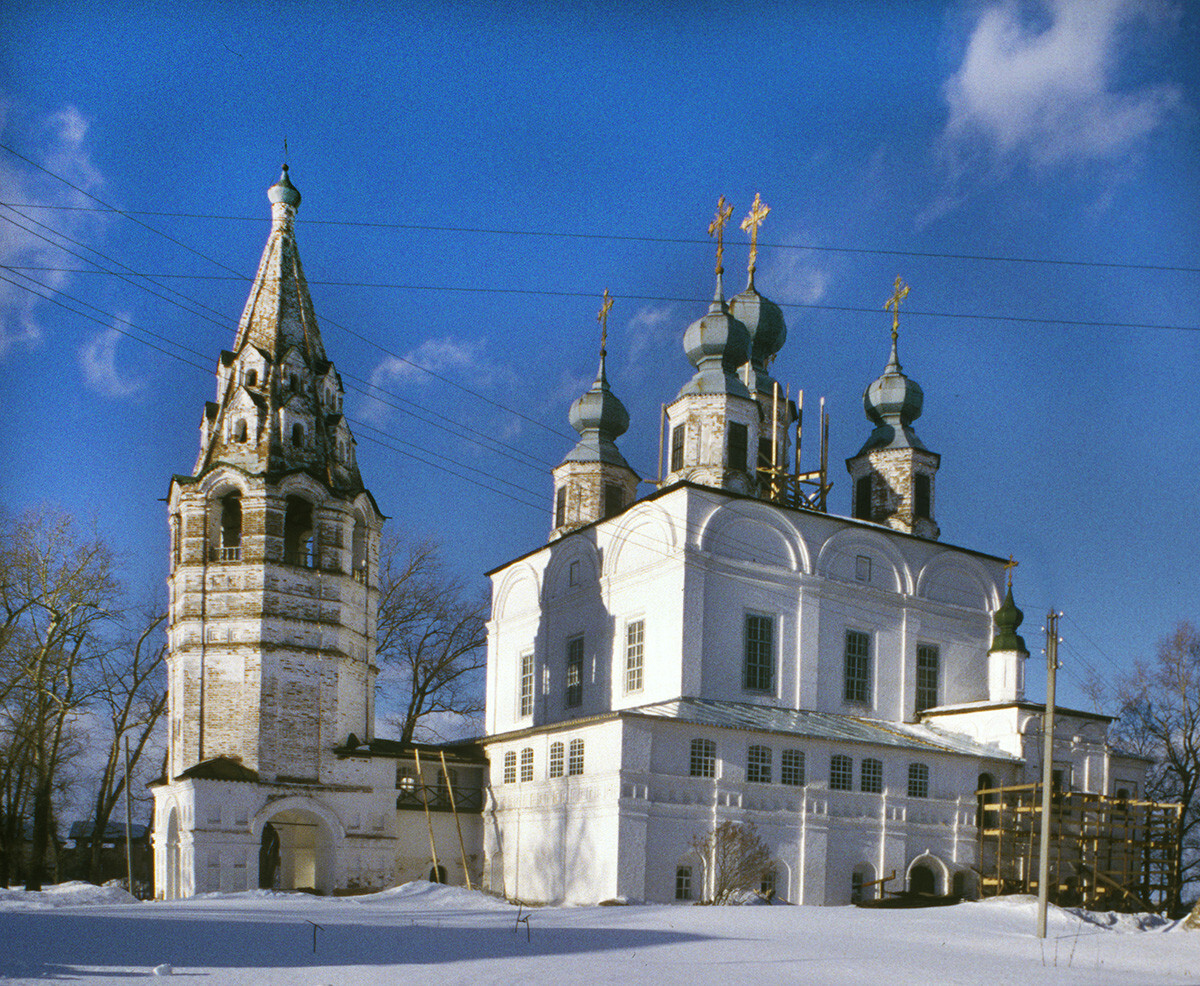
x: 1106, y: 853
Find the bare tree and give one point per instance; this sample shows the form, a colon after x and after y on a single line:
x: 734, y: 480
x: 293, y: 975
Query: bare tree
x: 734, y: 856
x: 131, y: 694
x: 1160, y: 719
x: 431, y: 640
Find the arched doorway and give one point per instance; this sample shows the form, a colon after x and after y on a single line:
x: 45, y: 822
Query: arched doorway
x: 296, y: 852
x: 922, y: 880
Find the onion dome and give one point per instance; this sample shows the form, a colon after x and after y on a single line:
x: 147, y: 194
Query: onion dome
x: 1007, y: 619
x: 763, y: 320
x: 716, y: 345
x: 283, y: 191
x: 600, y: 418
x: 893, y: 402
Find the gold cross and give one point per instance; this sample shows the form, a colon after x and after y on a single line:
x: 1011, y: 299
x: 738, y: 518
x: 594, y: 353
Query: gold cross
x: 758, y: 212
x: 717, y: 228
x: 602, y: 318
x: 894, y: 303
x: 1010, y: 565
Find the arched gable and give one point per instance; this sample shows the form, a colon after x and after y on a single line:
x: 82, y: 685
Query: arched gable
x: 571, y: 556
x: 517, y: 592
x: 754, y: 532
x: 959, y: 580
x: 838, y: 560
x: 645, y: 535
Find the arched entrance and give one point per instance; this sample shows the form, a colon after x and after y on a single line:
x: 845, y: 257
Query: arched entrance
x: 922, y: 880
x: 296, y: 852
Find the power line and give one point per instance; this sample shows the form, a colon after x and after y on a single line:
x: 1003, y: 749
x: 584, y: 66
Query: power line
x: 630, y: 238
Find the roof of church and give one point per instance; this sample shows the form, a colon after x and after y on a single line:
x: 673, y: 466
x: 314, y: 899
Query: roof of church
x: 220, y: 769
x: 818, y: 725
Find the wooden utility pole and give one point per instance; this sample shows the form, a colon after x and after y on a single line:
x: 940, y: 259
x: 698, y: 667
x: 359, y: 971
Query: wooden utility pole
x: 1047, y: 771
x: 428, y: 820
x: 128, y: 823
x: 454, y: 809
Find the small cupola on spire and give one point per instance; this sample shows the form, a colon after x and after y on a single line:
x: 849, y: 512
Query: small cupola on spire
x: 1006, y: 656
x: 893, y: 473
x: 714, y: 420
x: 594, y: 481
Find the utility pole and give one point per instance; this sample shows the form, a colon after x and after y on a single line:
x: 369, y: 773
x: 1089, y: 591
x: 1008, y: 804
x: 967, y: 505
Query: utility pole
x: 1047, y: 771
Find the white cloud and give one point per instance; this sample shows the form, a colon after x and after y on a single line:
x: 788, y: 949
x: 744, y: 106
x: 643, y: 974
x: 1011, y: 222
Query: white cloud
x: 59, y: 143
x: 462, y: 360
x: 650, y: 331
x: 1043, y: 90
x: 792, y: 275
x: 98, y: 360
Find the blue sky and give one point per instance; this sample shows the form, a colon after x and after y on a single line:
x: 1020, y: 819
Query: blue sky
x: 475, y: 175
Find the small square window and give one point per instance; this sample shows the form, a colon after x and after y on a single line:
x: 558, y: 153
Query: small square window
x: 510, y: 767
x: 573, y: 573
x: 862, y: 568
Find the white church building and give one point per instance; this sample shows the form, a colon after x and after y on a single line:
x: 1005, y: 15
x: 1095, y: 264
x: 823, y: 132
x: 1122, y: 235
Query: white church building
x: 722, y: 649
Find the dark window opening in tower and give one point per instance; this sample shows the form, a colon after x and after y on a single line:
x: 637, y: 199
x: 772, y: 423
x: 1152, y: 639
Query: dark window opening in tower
x: 239, y: 430
x: 298, y: 435
x: 921, y: 503
x: 764, y: 462
x: 231, y: 528
x: 737, y: 447
x: 614, y: 499
x: 297, y: 532
x: 251, y: 378
x: 176, y: 538
x: 294, y: 383
x: 862, y: 498
x: 677, y: 436
x: 560, y: 507
x: 359, y: 549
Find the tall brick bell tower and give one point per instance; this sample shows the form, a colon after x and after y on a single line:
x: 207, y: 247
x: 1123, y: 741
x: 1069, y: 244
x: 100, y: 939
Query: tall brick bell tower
x: 273, y: 594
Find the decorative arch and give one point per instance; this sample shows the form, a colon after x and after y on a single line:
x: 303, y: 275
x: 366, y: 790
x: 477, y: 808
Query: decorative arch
x: 644, y: 535
x: 749, y: 531
x: 939, y: 872
x: 518, y: 591
x: 838, y: 557
x: 563, y: 555
x: 959, y: 580
x: 298, y: 802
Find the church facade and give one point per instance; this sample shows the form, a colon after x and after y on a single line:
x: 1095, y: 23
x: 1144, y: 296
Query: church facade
x: 725, y: 650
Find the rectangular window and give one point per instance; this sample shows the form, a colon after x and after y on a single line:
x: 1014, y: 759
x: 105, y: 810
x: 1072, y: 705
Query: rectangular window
x: 683, y: 883
x: 737, y: 447
x: 406, y: 778
x: 575, y: 759
x: 634, y: 655
x: 526, y: 694
x: 556, y: 760
x: 704, y: 758
x: 574, y: 672
x: 921, y: 504
x: 862, y: 498
x: 862, y: 568
x: 791, y: 768
x: 560, y: 507
x: 510, y: 767
x: 858, y: 667
x: 527, y: 764
x: 841, y: 773
x: 871, y: 776
x: 614, y: 499
x: 927, y: 677
x: 677, y: 435
x: 758, y: 765
x: 760, y: 653
x: 918, y: 780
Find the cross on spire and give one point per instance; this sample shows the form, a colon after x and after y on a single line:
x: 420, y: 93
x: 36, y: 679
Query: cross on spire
x: 898, y: 295
x: 602, y: 318
x: 758, y: 212
x: 717, y: 228
x: 1010, y: 565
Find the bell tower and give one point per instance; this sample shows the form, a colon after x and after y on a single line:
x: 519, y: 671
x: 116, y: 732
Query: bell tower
x: 274, y: 541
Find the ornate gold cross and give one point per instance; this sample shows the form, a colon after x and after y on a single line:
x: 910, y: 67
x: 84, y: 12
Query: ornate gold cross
x: 717, y: 228
x: 1010, y: 565
x: 602, y: 318
x: 894, y: 304
x: 758, y: 212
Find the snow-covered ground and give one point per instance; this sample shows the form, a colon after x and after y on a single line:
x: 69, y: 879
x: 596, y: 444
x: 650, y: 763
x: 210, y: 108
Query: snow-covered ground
x: 427, y: 933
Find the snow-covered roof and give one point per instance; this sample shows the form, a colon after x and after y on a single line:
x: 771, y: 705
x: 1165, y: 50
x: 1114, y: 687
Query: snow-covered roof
x: 818, y: 725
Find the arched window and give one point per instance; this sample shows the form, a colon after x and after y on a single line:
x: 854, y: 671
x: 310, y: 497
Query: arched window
x: 294, y: 383
x: 297, y: 532
x: 251, y: 377
x: 239, y: 430
x: 527, y: 764
x: 298, y: 435
x: 575, y: 758
x: 231, y: 528
x: 556, y: 759
x: 510, y: 767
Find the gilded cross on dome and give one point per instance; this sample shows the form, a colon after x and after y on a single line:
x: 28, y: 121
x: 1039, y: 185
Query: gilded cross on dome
x: 894, y: 304
x: 602, y: 318
x: 758, y: 212
x: 717, y: 228
x: 1010, y: 565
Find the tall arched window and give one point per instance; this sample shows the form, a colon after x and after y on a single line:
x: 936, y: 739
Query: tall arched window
x: 298, y: 435
x: 230, y: 548
x: 297, y: 532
